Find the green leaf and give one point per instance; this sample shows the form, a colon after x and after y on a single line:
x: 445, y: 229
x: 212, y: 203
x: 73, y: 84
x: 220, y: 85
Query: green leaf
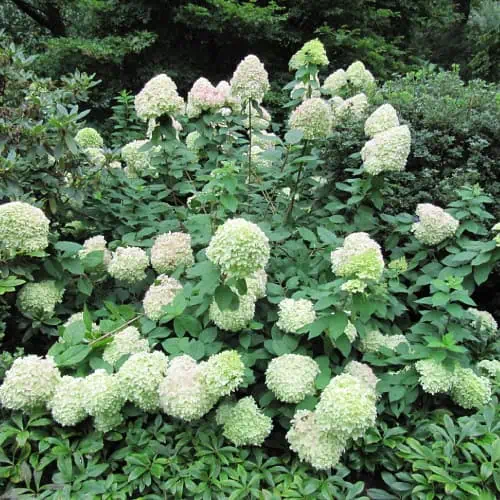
x: 440, y: 299
x: 337, y: 324
x: 226, y: 298
x: 294, y: 136
x: 85, y: 286
x: 74, y: 333
x: 73, y: 355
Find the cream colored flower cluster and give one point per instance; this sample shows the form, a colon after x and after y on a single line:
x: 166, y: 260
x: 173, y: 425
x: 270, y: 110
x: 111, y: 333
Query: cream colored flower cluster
x: 39, y: 299
x: 160, y: 294
x: 434, y: 224
x: 250, y: 80
x: 294, y: 314
x: 170, y: 251
x: 313, y: 118
x: 128, y: 264
x: 373, y: 341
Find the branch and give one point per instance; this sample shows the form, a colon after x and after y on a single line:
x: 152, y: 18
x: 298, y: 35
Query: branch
x: 50, y: 19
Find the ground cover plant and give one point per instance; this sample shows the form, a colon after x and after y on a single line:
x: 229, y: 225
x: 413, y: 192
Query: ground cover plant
x: 194, y: 305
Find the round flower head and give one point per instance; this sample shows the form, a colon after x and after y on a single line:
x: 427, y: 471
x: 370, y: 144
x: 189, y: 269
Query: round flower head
x: 136, y: 160
x: 158, y: 97
x: 39, y: 299
x: 434, y: 377
x: 312, y: 53
x: 250, y: 80
x: 346, y: 407
x: 105, y: 422
x: 295, y: 314
x: 223, y: 373
x: 102, y: 394
x: 183, y: 393
x: 335, y: 82
x: 170, y: 251
x: 359, y: 257
x: 374, y: 341
x: 191, y: 141
x: 246, y: 424
x: 23, y: 229
x: 203, y: 96
x: 490, y: 367
x: 29, y: 383
x: 469, y: 390
x: 363, y: 372
x: 234, y: 321
x: 140, y: 377
x: 96, y: 244
x: 350, y: 332
x: 96, y: 157
x: 239, y: 247
x: 223, y: 411
x: 483, y: 321
x: 129, y: 264
x: 353, y: 286
x: 359, y: 77
x: 355, y: 107
x: 388, y: 151
x: 160, y: 294
x: 291, y: 377
x: 67, y: 403
x: 257, y: 283
x: 320, y: 449
x: 434, y: 224
x: 265, y: 140
x: 258, y: 119
x: 313, y: 118
x: 127, y: 341
x: 382, y: 119
x: 89, y: 138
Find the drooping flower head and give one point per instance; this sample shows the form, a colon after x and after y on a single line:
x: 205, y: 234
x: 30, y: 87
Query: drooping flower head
x: 24, y: 229
x: 158, y: 97
x: 39, y: 299
x: 291, y: 377
x: 434, y: 376
x: 313, y: 118
x: 312, y: 53
x: 126, y: 341
x: 382, y: 119
x: 223, y: 373
x: 66, y: 404
x: 170, y: 251
x: 160, y: 294
x: 334, y: 83
x: 129, y: 264
x: 434, y: 224
x: 363, y: 372
x: 294, y: 314
x: 89, y: 138
x: 470, y: 390
x: 234, y: 321
x: 239, y: 247
x: 250, y: 80
x: 96, y: 244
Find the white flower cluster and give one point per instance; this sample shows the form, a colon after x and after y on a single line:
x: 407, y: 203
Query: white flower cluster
x: 239, y: 247
x: 203, y: 96
x: 350, y: 332
x: 256, y: 284
x: 359, y: 77
x: 373, y: 341
x: 383, y: 118
x: 490, y: 367
x: 354, y: 107
x: 223, y: 373
x: 434, y: 224
x: 234, y: 321
x: 129, y: 264
x: 359, y: 257
x: 191, y: 141
x: 89, y: 138
x: 483, y: 321
x: 170, y: 251
x: 250, y: 80
x: 291, y: 377
x: 434, y: 376
x: 295, y: 314
x: 363, y: 372
x: 24, y: 229
x: 312, y: 53
x: 127, y: 341
x: 137, y: 161
x: 160, y: 294
x: 313, y: 118
x: 39, y: 299
x: 335, y: 82
x: 470, y: 390
x: 96, y: 244
x: 158, y: 97
x: 66, y: 404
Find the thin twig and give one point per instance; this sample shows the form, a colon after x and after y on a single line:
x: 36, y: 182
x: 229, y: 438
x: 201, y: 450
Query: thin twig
x: 115, y: 330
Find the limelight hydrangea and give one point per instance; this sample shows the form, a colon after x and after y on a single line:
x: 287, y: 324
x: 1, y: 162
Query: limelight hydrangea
x: 363, y: 372
x: 29, y: 383
x: 127, y: 341
x: 359, y: 257
x: 170, y: 251
x: 203, y: 96
x: 234, y: 321
x: 291, y: 377
x: 434, y: 377
x: 140, y: 377
x: 246, y: 424
x: 191, y: 140
x: 490, y: 367
x: 136, y: 160
x: 470, y: 390
x: 295, y: 314
x: 382, y: 119
x: 23, y: 229
x: 39, y: 299
x: 105, y: 422
x: 355, y: 106
x: 359, y: 76
x: 96, y: 156
x: 158, y: 97
x: 239, y: 247
x: 89, y: 138
x: 256, y: 284
x: 388, y: 151
x: 374, y: 341
x: 97, y: 243
x: 313, y: 118
x: 183, y: 393
x: 483, y: 321
x: 223, y: 373
x: 346, y: 407
x: 160, y: 294
x: 129, y: 264
x: 320, y: 449
x: 250, y: 80
x: 311, y: 53
x: 434, y: 224
x: 353, y: 286
x: 350, y: 332
x: 335, y: 82
x: 224, y: 410
x: 66, y: 404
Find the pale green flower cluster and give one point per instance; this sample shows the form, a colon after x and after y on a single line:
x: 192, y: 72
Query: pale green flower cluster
x: 127, y: 341
x: 291, y: 377
x: 170, y: 251
x: 24, y: 229
x: 257, y: 283
x: 353, y: 286
x: 128, y: 264
x: 95, y: 244
x: 39, y: 299
x: 388, y: 151
x: 359, y: 257
x: 239, y: 247
x: 294, y: 314
x: 66, y: 404
x: 359, y: 77
x: 223, y: 373
x: 354, y: 107
x: 160, y: 294
x: 490, y: 367
x: 140, y: 377
x: 245, y: 423
x: 191, y: 141
x: 383, y: 118
x: 470, y: 390
x: 29, y: 383
x: 350, y: 332
x: 224, y: 410
x: 434, y: 224
x: 158, y: 97
x: 434, y: 376
x: 250, y: 80
x: 234, y: 321
x: 335, y: 82
x: 374, y: 341
x: 483, y: 321
x: 96, y: 156
x: 89, y: 138
x: 363, y: 372
x: 312, y: 53
x: 137, y: 161
x: 313, y: 118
